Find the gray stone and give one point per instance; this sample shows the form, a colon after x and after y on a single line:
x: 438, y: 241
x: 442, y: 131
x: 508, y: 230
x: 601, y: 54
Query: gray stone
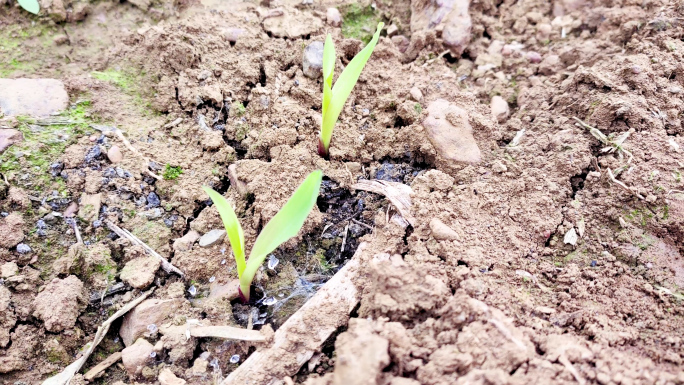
x: 450, y: 132
x: 333, y: 17
x: 136, y: 356
x: 212, y: 237
x: 33, y: 97
x: 500, y: 109
x: 312, y: 60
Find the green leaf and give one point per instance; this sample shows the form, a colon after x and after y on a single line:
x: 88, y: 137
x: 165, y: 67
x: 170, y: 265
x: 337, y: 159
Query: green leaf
x: 233, y: 228
x: 343, y: 87
x: 30, y: 5
x: 283, y: 226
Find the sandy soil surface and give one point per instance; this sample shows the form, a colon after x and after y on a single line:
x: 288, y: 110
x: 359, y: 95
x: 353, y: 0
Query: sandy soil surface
x: 541, y: 142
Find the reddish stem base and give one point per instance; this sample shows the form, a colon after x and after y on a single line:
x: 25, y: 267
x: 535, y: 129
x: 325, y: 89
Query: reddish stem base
x: 243, y: 299
x: 322, y: 151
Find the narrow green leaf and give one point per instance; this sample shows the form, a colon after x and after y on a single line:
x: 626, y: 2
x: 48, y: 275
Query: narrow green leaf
x: 328, y: 69
x: 344, y: 85
x: 30, y: 5
x: 283, y: 226
x: 233, y: 228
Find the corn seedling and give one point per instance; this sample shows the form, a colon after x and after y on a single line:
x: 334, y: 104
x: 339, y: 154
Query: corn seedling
x: 335, y: 97
x: 30, y: 5
x: 283, y: 226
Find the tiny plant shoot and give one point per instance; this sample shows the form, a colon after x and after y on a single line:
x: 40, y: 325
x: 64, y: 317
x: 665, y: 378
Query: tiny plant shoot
x: 30, y: 5
x: 283, y: 226
x: 335, y: 97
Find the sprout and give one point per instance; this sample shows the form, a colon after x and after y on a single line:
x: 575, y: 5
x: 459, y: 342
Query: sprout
x: 335, y: 97
x: 283, y: 226
x: 30, y: 5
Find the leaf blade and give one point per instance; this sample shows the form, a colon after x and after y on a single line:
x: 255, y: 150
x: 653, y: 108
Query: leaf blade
x: 283, y: 226
x: 328, y: 69
x: 30, y: 5
x: 232, y: 225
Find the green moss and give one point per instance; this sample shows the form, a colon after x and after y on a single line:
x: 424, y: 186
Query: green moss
x: 43, y: 144
x: 418, y: 108
x: 239, y: 109
x: 171, y: 173
x: 359, y: 22
x: 131, y: 82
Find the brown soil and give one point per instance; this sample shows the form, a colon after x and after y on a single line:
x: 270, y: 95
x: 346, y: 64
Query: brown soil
x: 507, y: 301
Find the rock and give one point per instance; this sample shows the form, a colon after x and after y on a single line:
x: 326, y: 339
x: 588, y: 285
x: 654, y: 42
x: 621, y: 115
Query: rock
x: 136, y: 356
x: 533, y: 57
x: 151, y: 311
x: 500, y: 109
x: 401, y: 42
x: 23, y: 248
x: 71, y: 210
x: 449, y: 15
x: 114, y: 154
x: 166, y: 377
x: 450, y: 133
x: 142, y: 4
x: 392, y: 30
x: 199, y: 368
x: 153, y: 200
x: 232, y: 34
x: 570, y: 237
x: 312, y: 60
x: 11, y: 232
x: 140, y: 272
x: 361, y: 354
x: 550, y: 65
x: 8, y: 137
x: 8, y: 269
x: 499, y: 167
x: 59, y: 304
x: 212, y: 237
x: 33, y: 97
x: 292, y: 26
x: 185, y: 242
x: 416, y: 94
x: 442, y: 232
x: 60, y: 39
x: 333, y: 17
x: 90, y: 206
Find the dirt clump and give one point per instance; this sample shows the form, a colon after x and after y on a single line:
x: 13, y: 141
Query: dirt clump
x: 60, y: 303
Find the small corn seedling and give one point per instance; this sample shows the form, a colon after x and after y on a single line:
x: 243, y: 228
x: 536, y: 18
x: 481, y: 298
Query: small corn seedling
x: 283, y: 226
x: 335, y: 97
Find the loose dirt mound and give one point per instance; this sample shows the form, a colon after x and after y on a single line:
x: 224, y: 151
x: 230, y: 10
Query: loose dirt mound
x: 541, y: 141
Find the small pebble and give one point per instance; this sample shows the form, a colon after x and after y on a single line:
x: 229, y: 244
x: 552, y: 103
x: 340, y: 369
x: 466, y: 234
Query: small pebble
x: 593, y: 263
x: 533, y: 57
x: 272, y: 262
x: 114, y: 154
x: 23, y: 248
x: 192, y: 290
x: 234, y: 359
x: 153, y: 200
x: 212, y: 279
x: 223, y: 262
x: 152, y: 328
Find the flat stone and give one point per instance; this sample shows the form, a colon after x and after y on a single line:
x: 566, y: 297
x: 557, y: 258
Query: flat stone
x: 185, y: 242
x: 114, y: 154
x: 33, y: 97
x: 166, y: 377
x: 450, y: 133
x: 228, y: 291
x: 212, y: 237
x: 151, y: 311
x: 416, y: 94
x: 8, y: 269
x: 11, y: 232
x: 570, y: 237
x: 500, y: 109
x: 60, y: 303
x: 136, y: 356
x: 8, y: 137
x: 90, y: 206
x: 441, y: 231
x: 312, y: 60
x: 292, y: 26
x: 140, y: 272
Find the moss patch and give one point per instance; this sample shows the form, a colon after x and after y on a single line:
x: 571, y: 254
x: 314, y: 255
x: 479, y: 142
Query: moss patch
x: 359, y: 22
